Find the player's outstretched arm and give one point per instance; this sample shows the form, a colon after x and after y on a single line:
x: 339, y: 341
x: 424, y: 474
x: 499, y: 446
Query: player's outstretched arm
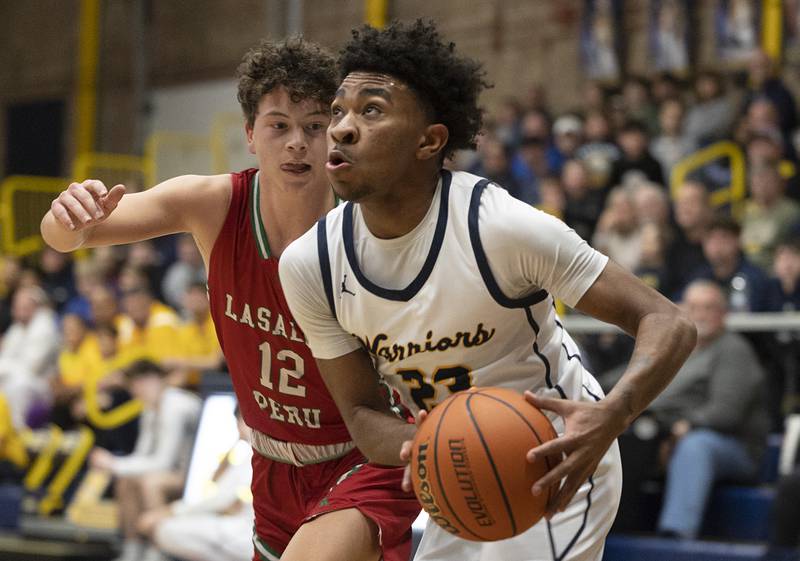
x: 88, y: 214
x: 664, y: 339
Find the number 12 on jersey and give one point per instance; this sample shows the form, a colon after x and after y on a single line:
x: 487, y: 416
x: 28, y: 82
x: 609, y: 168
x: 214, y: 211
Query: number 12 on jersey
x: 454, y: 378
x: 287, y: 376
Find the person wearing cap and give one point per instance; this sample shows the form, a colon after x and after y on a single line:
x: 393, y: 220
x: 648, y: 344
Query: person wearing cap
x: 567, y: 138
x: 155, y: 472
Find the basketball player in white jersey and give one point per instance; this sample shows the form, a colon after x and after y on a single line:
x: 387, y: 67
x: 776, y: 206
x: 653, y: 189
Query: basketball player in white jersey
x: 438, y: 281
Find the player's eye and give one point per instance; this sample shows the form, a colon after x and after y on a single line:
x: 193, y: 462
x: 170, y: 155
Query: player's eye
x: 316, y: 127
x: 371, y: 110
x: 279, y: 126
x: 336, y: 110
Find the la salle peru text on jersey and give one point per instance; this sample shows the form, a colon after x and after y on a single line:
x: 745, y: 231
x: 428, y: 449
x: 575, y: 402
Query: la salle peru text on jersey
x: 261, y: 319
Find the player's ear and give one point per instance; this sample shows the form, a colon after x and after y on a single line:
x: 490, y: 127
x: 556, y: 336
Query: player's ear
x: 433, y: 141
x: 248, y: 131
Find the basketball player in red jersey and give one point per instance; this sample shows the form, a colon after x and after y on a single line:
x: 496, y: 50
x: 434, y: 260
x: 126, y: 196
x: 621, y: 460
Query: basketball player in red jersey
x: 315, y: 497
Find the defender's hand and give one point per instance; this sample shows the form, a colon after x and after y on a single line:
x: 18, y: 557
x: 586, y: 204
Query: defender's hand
x: 85, y: 204
x: 590, y: 429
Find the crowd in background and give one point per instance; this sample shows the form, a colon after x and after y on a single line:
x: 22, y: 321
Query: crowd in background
x: 605, y: 168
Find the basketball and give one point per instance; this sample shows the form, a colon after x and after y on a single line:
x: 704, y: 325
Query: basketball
x: 468, y: 464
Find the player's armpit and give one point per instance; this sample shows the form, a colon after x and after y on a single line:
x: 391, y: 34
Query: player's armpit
x: 354, y: 384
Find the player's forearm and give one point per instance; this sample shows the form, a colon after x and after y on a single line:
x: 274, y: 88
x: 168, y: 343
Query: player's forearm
x: 379, y: 434
x: 663, y: 342
x: 60, y: 238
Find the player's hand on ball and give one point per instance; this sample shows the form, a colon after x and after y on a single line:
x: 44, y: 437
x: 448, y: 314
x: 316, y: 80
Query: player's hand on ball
x: 590, y: 429
x: 405, y: 454
x: 85, y: 204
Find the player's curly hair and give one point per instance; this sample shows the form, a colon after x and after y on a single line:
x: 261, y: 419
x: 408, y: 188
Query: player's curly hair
x: 448, y: 84
x: 305, y: 69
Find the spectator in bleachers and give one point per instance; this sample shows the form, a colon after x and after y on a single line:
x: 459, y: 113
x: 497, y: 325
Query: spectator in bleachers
x: 56, y: 276
x: 598, y: 152
x: 198, y: 345
x: 553, y: 201
x: 784, y: 292
x: 671, y: 145
x: 652, y: 268
x: 10, y: 270
x: 535, y: 123
x: 693, y: 213
x: 711, y: 116
x: 88, y: 277
x: 217, y: 527
x: 745, y: 285
x: 184, y: 272
x: 529, y: 165
x: 495, y: 164
x: 636, y: 162
x: 652, y: 205
x: 103, y: 306
x: 763, y: 82
x: 148, y: 326
x: 618, y: 234
x: 638, y: 106
x: 567, y: 138
x: 584, y: 204
x: 146, y: 260
x: 79, y: 353
x: 507, y: 121
x: 665, y: 86
x: 714, y: 412
x: 594, y: 96
x: 103, y: 390
x: 768, y: 215
x: 762, y: 118
x: 27, y: 351
x: 154, y: 474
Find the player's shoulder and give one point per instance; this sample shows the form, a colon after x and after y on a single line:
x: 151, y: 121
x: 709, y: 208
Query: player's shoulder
x: 503, y: 218
x: 302, y: 255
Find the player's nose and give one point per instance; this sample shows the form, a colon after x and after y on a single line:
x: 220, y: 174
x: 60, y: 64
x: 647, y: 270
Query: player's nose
x: 343, y: 131
x: 297, y: 142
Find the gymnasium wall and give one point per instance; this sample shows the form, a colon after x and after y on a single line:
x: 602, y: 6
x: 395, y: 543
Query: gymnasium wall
x: 521, y: 42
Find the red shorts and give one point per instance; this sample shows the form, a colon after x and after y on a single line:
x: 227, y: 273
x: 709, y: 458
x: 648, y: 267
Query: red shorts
x: 285, y: 496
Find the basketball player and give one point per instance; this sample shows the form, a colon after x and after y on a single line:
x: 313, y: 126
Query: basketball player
x: 444, y: 282
x: 315, y: 497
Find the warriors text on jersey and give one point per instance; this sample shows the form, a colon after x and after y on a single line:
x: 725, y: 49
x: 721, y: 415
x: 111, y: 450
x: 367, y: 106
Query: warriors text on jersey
x: 279, y: 388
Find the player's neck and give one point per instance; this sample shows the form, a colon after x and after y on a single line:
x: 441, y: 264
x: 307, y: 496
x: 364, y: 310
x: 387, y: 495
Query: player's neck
x: 288, y: 213
x: 401, y: 208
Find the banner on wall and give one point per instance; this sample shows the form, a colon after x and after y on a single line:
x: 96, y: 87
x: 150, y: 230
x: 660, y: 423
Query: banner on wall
x: 600, y: 39
x: 669, y: 35
x: 738, y: 24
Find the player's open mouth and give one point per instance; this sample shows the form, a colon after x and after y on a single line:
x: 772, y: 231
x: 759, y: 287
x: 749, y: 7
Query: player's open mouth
x: 295, y: 167
x: 337, y: 161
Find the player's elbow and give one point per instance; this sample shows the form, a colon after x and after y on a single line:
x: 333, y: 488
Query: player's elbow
x: 685, y: 329
x: 49, y: 230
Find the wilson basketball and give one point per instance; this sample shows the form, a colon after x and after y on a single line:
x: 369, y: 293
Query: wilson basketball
x: 469, y: 468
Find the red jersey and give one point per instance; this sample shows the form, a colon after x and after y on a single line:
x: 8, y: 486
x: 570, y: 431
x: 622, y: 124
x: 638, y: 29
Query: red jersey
x: 277, y: 383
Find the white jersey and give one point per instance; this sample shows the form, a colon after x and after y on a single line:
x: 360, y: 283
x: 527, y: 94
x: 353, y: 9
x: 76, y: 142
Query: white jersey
x: 467, y: 298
